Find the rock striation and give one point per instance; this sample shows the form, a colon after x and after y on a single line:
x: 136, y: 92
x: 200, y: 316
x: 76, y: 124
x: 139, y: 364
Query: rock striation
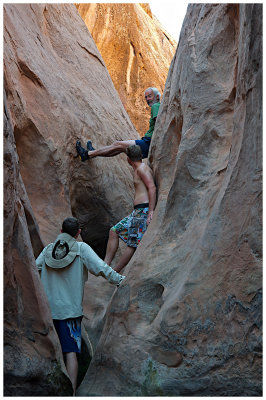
x: 187, y: 320
x: 136, y: 49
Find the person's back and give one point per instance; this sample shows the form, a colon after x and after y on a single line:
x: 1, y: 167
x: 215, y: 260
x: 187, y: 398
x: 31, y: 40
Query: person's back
x: 64, y: 285
x: 141, y: 190
x: 64, y: 267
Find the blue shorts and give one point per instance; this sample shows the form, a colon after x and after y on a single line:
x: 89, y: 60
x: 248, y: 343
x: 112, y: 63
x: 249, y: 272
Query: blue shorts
x: 69, y: 333
x: 144, y: 144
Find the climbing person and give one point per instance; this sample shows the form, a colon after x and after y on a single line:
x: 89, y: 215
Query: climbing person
x: 64, y: 267
x: 152, y: 97
x: 131, y: 228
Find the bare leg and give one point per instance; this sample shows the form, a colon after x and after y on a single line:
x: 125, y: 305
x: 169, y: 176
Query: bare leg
x: 112, y: 150
x: 112, y: 246
x: 126, y: 256
x: 72, y: 369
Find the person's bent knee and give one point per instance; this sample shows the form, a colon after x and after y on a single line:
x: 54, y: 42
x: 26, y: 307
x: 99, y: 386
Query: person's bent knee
x: 71, y: 355
x: 112, y: 233
x: 121, y: 145
x: 131, y: 248
x: 118, y: 145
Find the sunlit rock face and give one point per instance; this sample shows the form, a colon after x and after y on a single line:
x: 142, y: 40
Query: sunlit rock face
x: 31, y: 346
x: 58, y: 90
x: 187, y: 320
x: 136, y: 50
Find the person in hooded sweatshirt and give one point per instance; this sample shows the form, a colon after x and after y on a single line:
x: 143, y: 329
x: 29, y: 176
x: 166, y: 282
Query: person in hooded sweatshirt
x: 64, y: 267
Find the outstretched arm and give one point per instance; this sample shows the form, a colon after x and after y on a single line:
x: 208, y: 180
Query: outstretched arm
x: 97, y: 266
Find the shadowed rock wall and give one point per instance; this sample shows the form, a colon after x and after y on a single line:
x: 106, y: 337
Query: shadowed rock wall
x: 31, y: 347
x: 187, y: 320
x: 136, y: 49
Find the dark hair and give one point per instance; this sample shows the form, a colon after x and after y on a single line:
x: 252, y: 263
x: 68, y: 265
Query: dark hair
x: 71, y: 226
x: 134, y: 152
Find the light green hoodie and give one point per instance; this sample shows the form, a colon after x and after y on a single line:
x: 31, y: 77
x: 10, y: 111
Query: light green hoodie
x: 63, y: 279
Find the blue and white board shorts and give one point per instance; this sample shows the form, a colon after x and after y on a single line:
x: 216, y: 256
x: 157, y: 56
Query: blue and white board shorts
x: 69, y: 333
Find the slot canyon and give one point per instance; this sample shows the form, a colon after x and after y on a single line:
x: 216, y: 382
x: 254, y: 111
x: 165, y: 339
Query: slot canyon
x: 187, y: 319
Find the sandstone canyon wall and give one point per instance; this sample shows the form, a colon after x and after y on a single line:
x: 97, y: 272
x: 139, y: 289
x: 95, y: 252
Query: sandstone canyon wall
x: 32, y: 350
x: 58, y: 90
x: 136, y: 49
x: 187, y: 319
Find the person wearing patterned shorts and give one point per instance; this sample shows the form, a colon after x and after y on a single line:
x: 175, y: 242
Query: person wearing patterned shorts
x: 132, y: 228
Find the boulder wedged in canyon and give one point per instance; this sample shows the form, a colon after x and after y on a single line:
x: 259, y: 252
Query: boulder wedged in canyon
x: 136, y: 49
x: 31, y: 347
x: 187, y: 319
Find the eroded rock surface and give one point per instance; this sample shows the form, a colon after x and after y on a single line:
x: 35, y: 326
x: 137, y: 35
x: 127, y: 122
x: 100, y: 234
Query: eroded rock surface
x: 136, y: 50
x: 187, y: 320
x: 58, y: 90
x: 31, y: 347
